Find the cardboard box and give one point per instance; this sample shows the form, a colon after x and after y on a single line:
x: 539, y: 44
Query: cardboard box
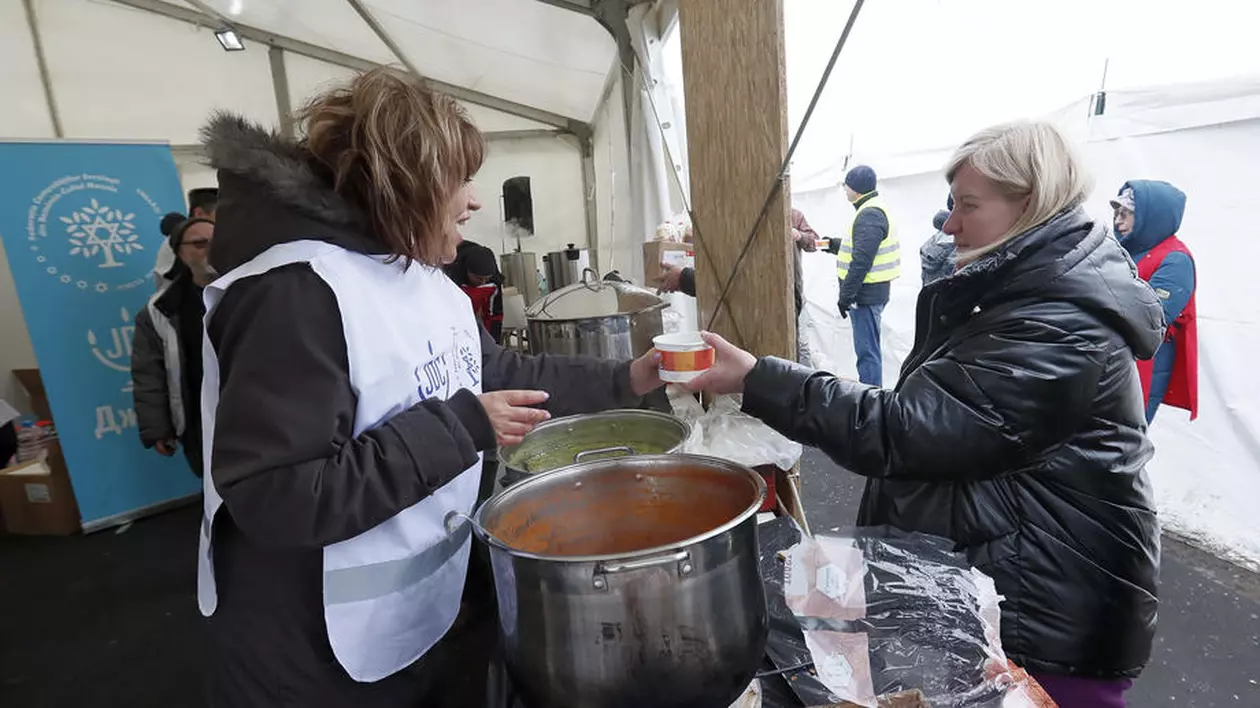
x: 657, y: 252
x: 34, y: 385
x: 36, y: 497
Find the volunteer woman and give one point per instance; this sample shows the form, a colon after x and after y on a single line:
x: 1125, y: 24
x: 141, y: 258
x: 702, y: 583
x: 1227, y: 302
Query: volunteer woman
x: 1017, y: 427
x: 349, y: 394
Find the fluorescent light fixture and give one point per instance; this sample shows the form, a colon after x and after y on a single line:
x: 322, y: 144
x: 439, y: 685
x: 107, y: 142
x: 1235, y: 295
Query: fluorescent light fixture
x: 229, y: 40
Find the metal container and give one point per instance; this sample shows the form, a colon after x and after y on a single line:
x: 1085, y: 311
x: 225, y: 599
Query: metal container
x: 604, y: 319
x: 520, y: 271
x: 592, y: 436
x: 565, y: 268
x: 631, y: 582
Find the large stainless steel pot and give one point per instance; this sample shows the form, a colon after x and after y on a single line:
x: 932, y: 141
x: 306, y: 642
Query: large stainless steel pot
x: 592, y: 436
x: 630, y: 583
x: 605, y: 319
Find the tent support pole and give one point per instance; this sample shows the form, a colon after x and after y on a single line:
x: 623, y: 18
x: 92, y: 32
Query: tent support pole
x: 280, y: 85
x: 336, y: 58
x: 734, y: 162
x: 589, y: 203
x: 53, y: 113
x: 612, y: 16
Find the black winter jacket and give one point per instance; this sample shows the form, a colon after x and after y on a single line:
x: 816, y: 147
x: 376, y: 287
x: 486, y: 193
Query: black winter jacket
x: 1017, y: 431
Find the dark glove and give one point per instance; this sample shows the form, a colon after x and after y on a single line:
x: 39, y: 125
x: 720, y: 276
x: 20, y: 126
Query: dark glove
x: 844, y: 309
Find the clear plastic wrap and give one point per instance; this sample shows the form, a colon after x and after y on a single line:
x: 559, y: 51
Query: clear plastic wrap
x: 676, y: 230
x: 883, y: 612
x: 672, y: 321
x: 723, y: 431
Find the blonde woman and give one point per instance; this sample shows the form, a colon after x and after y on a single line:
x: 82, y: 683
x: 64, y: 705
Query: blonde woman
x: 1017, y: 426
x: 349, y: 394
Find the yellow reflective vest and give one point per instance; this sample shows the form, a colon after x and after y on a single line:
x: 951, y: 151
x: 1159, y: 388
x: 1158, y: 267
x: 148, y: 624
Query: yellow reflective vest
x: 887, y: 263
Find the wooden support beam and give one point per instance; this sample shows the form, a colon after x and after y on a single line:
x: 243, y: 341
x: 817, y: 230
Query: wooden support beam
x: 733, y: 74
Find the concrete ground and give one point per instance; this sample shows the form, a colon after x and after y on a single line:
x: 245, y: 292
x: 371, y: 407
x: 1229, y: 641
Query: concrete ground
x: 1207, y: 650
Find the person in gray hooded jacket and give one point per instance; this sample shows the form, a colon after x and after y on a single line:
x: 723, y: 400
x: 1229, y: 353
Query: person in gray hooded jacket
x: 936, y: 255
x: 166, y: 349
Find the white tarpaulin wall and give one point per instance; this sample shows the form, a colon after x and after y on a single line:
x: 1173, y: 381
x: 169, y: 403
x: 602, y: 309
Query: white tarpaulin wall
x: 1203, y: 139
x: 918, y: 76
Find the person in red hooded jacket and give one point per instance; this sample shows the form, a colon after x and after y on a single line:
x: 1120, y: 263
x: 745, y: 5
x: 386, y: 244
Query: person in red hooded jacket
x: 476, y: 272
x: 1147, y: 217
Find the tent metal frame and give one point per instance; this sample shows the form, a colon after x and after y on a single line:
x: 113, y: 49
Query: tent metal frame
x: 37, y: 41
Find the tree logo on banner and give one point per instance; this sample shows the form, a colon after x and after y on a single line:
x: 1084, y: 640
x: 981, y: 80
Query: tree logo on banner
x: 100, y: 232
x: 83, y: 230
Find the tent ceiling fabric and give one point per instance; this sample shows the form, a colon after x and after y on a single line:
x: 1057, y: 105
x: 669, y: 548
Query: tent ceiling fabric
x: 120, y: 73
x: 523, y: 51
x: 526, y: 52
x: 332, y: 24
x: 25, y: 109
x: 308, y: 77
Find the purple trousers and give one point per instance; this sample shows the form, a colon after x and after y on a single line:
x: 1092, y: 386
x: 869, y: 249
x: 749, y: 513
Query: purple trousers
x: 1076, y: 692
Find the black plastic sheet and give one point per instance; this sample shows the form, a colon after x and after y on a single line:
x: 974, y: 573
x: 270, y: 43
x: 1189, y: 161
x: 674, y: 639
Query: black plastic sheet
x: 929, y: 620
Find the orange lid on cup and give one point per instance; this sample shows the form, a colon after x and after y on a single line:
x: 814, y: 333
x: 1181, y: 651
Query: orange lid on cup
x: 684, y: 356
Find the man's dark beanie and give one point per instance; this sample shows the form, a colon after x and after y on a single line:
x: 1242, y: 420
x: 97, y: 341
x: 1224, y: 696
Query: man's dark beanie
x: 861, y: 179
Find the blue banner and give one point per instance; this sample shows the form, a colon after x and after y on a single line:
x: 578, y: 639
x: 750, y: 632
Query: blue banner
x: 80, y: 226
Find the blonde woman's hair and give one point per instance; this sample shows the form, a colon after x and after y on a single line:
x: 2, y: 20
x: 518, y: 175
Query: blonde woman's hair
x: 398, y: 150
x: 1025, y: 159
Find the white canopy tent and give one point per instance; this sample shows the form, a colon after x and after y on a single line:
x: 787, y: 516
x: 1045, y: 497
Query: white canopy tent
x: 1202, y: 138
x: 547, y: 80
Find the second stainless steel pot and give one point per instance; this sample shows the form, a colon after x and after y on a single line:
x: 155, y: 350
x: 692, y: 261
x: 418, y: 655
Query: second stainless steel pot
x: 608, y: 320
x: 592, y: 436
x: 630, y: 583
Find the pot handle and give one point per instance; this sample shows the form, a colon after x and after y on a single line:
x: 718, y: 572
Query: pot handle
x: 603, y: 451
x: 454, y: 519
x: 681, y: 558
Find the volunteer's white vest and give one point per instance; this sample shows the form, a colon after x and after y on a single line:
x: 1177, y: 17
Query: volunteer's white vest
x: 393, y: 591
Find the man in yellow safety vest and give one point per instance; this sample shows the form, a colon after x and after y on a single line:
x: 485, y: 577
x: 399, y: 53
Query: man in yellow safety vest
x: 868, y: 260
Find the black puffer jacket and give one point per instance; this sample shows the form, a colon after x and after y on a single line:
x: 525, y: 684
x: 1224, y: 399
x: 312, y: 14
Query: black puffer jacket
x: 1016, y: 430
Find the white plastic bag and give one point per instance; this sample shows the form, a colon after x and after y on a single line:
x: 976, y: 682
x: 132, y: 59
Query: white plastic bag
x: 723, y: 431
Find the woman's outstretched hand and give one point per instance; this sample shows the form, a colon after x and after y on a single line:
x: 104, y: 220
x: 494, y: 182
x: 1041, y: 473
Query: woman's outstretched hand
x: 511, y: 415
x: 730, y: 368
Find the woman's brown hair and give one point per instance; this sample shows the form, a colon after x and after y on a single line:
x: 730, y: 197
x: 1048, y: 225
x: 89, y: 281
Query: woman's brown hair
x: 399, y: 151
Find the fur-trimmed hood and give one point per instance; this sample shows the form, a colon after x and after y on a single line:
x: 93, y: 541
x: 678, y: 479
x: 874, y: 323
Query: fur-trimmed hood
x: 272, y: 191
